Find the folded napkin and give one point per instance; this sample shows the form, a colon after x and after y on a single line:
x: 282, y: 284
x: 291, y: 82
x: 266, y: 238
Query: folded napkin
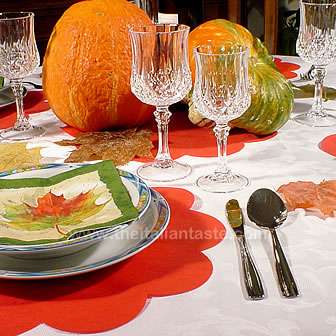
x: 46, y: 210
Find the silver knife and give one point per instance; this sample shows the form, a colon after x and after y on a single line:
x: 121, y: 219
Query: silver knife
x: 252, y: 280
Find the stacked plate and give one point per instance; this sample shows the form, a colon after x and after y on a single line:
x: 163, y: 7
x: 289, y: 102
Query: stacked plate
x: 92, y: 249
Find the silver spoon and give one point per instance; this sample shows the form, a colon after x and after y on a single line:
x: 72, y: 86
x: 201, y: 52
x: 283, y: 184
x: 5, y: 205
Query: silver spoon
x: 266, y: 209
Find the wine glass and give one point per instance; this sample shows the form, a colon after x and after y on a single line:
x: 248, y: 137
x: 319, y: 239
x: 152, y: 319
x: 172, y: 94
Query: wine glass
x: 316, y: 44
x: 18, y: 59
x: 161, y: 77
x: 222, y: 92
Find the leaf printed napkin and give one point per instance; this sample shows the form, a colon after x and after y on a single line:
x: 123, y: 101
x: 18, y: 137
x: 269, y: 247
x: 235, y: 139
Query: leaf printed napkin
x: 47, y: 210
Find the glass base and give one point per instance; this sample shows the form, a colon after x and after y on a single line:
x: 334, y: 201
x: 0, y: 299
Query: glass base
x: 223, y: 182
x: 13, y: 134
x: 314, y: 119
x: 164, y: 171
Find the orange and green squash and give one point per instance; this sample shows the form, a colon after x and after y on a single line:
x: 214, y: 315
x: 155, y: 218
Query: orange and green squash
x: 273, y: 99
x: 87, y: 66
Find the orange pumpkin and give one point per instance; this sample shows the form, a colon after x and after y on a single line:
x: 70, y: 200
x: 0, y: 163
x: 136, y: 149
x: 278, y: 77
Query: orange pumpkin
x: 87, y: 66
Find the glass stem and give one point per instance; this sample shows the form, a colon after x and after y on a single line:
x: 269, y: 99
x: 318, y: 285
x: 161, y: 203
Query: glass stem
x: 319, y: 74
x: 22, y: 122
x: 222, y: 132
x: 162, y: 117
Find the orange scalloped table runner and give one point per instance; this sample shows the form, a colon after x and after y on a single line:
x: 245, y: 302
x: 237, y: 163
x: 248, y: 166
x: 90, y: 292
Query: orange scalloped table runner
x: 108, y: 298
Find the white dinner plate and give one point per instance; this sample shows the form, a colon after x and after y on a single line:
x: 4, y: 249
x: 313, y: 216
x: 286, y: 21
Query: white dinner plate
x: 111, y: 250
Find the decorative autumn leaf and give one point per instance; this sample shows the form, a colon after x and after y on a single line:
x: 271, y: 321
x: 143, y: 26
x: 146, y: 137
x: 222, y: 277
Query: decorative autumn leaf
x: 59, y: 206
x: 16, y: 155
x: 52, y: 211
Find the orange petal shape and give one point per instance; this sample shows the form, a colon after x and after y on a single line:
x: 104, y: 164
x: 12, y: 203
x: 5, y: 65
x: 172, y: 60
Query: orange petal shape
x: 328, y: 144
x: 286, y: 68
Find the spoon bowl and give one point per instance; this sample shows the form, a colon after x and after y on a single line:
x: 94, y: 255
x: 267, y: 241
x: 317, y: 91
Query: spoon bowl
x: 266, y: 209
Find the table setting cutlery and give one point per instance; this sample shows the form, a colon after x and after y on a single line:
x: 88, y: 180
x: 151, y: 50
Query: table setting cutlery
x: 267, y: 210
x: 252, y: 280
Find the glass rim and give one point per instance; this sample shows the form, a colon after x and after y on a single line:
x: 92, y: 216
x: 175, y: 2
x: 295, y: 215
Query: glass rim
x: 244, y: 49
x: 16, y: 15
x: 182, y: 28
x: 307, y: 2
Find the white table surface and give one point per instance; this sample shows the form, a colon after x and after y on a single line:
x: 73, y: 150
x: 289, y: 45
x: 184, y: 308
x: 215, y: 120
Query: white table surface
x: 218, y: 307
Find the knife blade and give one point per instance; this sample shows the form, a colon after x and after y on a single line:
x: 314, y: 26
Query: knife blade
x: 252, y: 280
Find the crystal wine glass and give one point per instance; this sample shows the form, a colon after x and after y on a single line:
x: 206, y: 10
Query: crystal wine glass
x: 161, y: 77
x: 222, y: 92
x: 18, y: 59
x: 316, y: 44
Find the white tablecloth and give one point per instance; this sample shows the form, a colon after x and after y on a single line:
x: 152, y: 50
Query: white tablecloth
x: 218, y: 307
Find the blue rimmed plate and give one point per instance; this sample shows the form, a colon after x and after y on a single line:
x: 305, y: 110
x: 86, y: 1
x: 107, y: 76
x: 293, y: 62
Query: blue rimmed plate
x: 139, y: 193
x: 113, y: 249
